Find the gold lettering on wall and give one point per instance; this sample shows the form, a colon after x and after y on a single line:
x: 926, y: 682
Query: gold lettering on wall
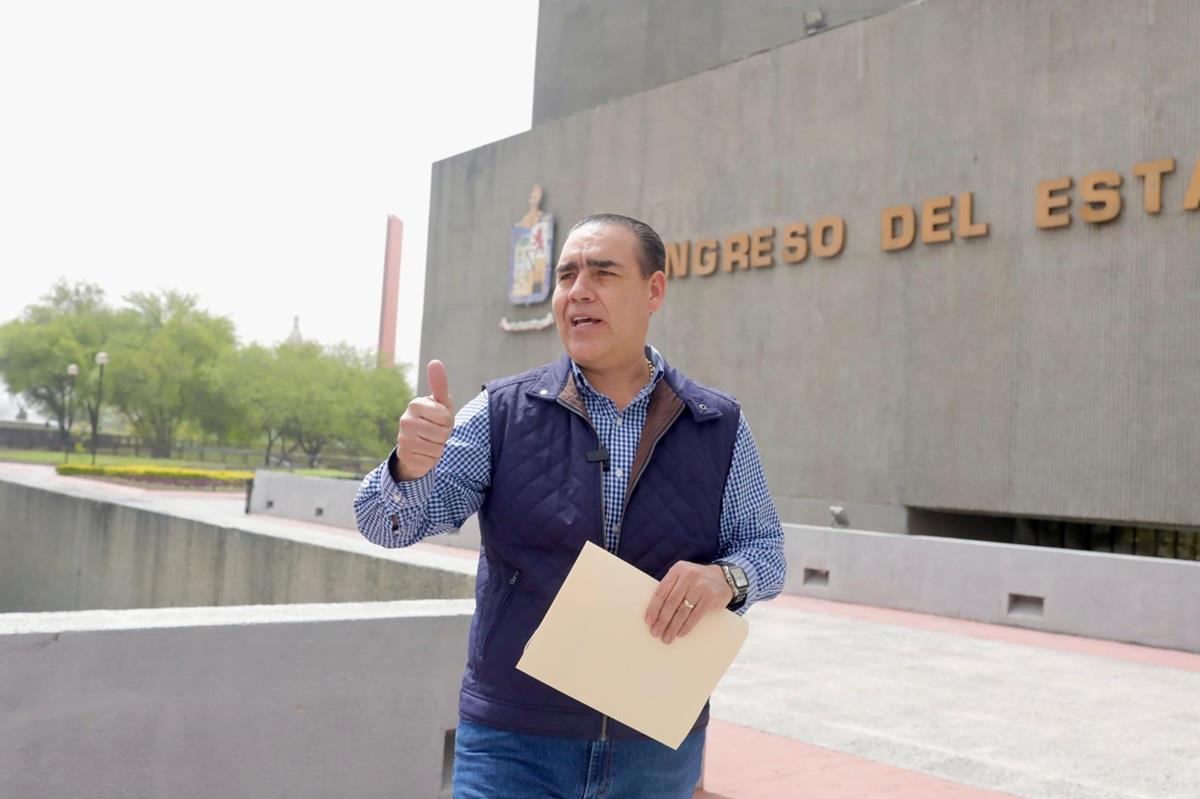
x: 677, y: 259
x: 737, y: 252
x: 829, y: 236
x: 935, y: 220
x: 762, y: 244
x: 795, y: 243
x: 891, y: 238
x: 1151, y: 173
x: 1192, y: 201
x: 1048, y: 202
x: 935, y: 213
x: 704, y: 257
x: 1100, y: 192
x: 968, y: 228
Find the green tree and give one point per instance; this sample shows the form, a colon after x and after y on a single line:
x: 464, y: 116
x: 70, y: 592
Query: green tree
x: 256, y: 390
x: 337, y: 399
x: 387, y: 395
x: 175, y: 367
x: 231, y: 414
x: 312, y: 398
x: 70, y: 324
x: 163, y: 362
x: 326, y: 397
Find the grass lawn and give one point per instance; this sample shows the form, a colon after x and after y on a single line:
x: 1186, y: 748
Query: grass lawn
x: 51, y: 458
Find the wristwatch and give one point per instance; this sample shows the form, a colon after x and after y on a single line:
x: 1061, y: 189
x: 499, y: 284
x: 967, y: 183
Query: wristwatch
x: 736, y: 577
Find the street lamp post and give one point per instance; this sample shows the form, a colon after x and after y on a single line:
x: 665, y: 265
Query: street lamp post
x: 72, y: 372
x: 101, y: 360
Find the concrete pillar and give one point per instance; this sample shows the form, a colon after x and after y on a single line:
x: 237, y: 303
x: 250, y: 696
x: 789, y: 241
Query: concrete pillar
x: 391, y: 293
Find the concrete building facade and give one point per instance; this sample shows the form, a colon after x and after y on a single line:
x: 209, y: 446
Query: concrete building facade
x: 945, y: 253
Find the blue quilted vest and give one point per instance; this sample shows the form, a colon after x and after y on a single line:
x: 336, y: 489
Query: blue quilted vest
x: 546, y: 500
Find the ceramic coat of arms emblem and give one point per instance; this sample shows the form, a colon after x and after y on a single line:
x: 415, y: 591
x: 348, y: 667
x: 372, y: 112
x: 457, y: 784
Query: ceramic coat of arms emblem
x: 532, y: 254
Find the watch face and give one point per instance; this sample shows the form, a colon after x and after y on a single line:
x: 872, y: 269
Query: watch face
x: 739, y: 578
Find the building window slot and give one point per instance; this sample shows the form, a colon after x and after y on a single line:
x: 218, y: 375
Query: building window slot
x: 816, y: 577
x: 1022, y: 605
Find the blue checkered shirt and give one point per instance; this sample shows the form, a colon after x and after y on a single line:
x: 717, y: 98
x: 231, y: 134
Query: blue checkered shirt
x: 395, y: 514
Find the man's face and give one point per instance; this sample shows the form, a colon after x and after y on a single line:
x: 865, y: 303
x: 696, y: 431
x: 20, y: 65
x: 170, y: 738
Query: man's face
x: 602, y: 304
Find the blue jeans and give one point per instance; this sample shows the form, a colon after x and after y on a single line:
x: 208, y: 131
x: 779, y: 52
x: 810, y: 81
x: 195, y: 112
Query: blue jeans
x: 497, y: 764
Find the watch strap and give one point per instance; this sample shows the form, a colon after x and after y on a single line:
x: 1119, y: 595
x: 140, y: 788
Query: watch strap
x: 739, y: 592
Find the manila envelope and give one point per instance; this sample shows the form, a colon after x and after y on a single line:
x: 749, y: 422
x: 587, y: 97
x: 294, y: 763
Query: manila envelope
x: 595, y: 646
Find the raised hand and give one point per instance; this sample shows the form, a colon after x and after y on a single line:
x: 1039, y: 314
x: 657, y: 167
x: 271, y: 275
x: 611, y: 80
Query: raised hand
x: 425, y: 427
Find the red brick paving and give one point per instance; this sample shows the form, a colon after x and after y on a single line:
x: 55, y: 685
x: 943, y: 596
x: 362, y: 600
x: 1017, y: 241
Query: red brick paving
x: 742, y: 763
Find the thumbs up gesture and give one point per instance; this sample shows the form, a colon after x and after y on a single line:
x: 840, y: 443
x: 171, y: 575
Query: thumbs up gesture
x: 425, y: 427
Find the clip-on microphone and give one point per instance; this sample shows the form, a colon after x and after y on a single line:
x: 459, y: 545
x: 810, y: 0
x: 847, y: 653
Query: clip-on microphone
x: 599, y: 455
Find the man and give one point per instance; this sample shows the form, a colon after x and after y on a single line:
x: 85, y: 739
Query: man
x: 608, y: 444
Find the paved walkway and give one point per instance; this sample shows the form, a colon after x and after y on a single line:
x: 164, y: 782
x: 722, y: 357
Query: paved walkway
x: 836, y: 701
x: 949, y: 707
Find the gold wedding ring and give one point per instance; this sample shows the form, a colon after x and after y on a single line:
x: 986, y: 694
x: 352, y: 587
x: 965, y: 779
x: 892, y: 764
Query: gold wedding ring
x: 689, y: 605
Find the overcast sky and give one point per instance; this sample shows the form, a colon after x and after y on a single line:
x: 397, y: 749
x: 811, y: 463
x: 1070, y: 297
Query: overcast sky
x: 246, y: 152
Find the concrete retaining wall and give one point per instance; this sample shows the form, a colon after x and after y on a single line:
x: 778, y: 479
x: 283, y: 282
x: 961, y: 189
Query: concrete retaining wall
x: 329, y: 501
x: 64, y: 552
x: 1152, y: 601
x: 346, y: 700
x: 312, y: 499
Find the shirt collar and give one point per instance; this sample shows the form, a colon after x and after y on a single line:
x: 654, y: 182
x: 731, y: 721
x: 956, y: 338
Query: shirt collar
x: 655, y: 360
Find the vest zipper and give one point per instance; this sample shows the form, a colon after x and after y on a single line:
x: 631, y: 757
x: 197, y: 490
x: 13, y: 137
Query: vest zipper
x: 634, y: 478
x: 600, y: 475
x: 628, y: 494
x: 508, y: 592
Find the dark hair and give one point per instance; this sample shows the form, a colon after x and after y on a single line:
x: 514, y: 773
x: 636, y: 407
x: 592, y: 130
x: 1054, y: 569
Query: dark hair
x: 653, y: 257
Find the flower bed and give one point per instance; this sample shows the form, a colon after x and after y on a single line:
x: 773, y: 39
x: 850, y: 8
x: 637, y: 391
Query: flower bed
x: 169, y: 475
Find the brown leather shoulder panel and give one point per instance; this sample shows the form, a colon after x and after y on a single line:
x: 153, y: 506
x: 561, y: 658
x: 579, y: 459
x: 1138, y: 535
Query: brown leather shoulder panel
x: 665, y: 407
